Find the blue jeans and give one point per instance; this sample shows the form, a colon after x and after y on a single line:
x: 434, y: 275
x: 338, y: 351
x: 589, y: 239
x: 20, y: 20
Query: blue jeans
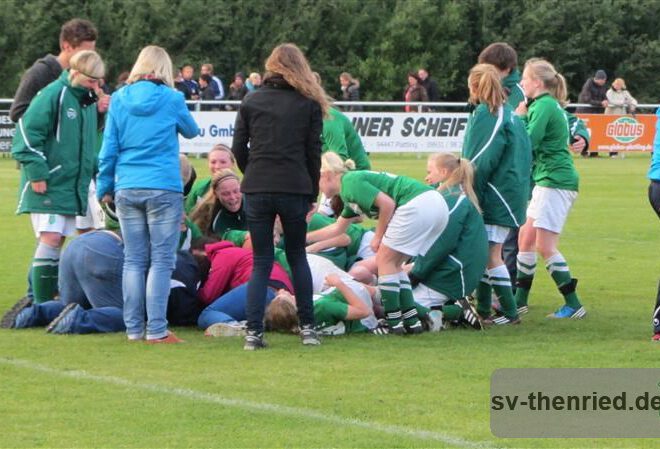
x: 150, y: 222
x: 229, y: 307
x: 93, y: 321
x: 91, y: 271
x: 261, y: 210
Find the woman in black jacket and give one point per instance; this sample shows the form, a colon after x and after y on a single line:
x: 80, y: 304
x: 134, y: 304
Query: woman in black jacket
x: 282, y: 122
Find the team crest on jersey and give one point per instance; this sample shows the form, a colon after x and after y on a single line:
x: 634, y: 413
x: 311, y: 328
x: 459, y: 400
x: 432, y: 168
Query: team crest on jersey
x: 71, y: 113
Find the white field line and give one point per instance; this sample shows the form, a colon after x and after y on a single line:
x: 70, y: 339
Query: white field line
x: 244, y: 404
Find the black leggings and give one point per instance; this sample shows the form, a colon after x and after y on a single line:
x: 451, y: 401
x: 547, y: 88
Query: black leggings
x: 654, y: 196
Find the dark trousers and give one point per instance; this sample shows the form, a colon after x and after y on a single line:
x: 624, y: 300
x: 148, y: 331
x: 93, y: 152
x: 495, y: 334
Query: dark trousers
x: 261, y: 210
x: 654, y: 198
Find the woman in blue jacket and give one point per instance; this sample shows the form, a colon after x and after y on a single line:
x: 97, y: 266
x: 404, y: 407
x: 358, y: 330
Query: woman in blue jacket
x: 654, y: 198
x: 139, y: 166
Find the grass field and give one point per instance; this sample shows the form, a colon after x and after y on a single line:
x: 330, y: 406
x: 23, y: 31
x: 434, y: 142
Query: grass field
x: 356, y: 391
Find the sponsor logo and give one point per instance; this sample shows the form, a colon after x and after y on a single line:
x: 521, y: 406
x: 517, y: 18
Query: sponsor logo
x: 71, y: 113
x: 625, y: 129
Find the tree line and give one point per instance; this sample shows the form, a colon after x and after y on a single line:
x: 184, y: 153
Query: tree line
x: 377, y: 41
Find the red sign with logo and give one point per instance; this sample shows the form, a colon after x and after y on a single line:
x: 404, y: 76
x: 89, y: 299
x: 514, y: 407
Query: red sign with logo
x: 620, y: 132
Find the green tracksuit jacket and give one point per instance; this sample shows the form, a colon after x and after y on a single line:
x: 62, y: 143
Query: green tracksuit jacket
x: 55, y: 142
x: 515, y: 93
x: 457, y: 260
x: 340, y: 137
x: 499, y: 148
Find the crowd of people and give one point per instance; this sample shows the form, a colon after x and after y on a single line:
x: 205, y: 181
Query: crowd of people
x: 284, y: 246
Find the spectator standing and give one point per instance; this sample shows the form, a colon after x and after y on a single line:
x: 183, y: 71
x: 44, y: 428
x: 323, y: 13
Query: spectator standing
x: 216, y: 85
x: 121, y: 80
x: 350, y: 91
x: 277, y: 144
x: 594, y: 93
x: 237, y: 90
x: 139, y: 166
x: 619, y: 100
x: 414, y: 92
x: 188, y: 73
x: 429, y: 84
x: 75, y: 35
x: 253, y: 82
x: 57, y: 157
x: 206, y: 91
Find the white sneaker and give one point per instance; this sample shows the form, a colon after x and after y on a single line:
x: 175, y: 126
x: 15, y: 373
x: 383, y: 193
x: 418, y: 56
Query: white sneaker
x: 231, y: 329
x: 434, y: 321
x: 337, y: 329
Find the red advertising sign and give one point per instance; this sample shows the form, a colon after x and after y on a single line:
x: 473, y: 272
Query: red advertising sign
x: 620, y: 132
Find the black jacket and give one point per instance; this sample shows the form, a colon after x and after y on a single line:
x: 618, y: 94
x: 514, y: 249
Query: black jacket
x: 43, y: 72
x: 283, y: 129
x: 594, y: 95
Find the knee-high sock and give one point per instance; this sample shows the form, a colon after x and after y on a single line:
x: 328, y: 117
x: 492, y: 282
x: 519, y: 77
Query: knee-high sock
x: 501, y: 283
x: 656, y: 312
x: 389, y: 287
x: 407, y: 301
x: 558, y: 269
x: 45, y: 268
x: 524, y: 277
x: 484, y: 299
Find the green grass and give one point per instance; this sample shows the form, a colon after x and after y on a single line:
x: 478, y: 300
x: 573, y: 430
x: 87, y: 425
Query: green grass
x: 101, y: 391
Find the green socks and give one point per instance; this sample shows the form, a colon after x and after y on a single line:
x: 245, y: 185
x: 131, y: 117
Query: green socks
x: 501, y: 284
x: 45, y: 268
x: 484, y: 299
x: 526, y: 264
x: 407, y: 301
x: 558, y: 269
x: 389, y: 287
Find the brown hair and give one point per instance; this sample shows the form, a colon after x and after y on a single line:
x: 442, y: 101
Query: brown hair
x: 202, y: 215
x: 224, y: 148
x: 499, y: 54
x: 462, y: 174
x: 552, y: 80
x: 281, y: 314
x: 290, y: 62
x: 77, y: 31
x: 484, y: 79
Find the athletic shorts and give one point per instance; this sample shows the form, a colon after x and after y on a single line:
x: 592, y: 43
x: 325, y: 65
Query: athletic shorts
x: 550, y: 207
x: 416, y: 225
x: 365, y: 251
x: 427, y: 297
x: 61, y: 224
x: 95, y: 218
x: 496, y: 233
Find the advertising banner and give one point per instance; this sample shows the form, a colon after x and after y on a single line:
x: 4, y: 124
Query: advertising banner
x: 620, y: 132
x: 380, y: 131
x: 7, y: 131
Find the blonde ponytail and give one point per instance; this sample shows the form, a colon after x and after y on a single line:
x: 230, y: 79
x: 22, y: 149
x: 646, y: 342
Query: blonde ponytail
x: 331, y: 162
x: 486, y: 87
x: 461, y: 173
x: 552, y: 80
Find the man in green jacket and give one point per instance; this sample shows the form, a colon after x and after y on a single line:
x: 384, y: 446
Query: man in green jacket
x: 55, y: 144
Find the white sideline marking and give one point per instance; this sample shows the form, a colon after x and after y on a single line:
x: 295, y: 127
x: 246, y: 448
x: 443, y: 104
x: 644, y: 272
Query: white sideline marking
x: 244, y: 404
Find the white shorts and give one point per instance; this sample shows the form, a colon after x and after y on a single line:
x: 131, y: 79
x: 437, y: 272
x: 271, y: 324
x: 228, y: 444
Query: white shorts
x: 325, y: 206
x: 550, y: 207
x: 95, y: 218
x: 365, y: 251
x: 416, y: 225
x: 496, y: 233
x: 427, y: 297
x: 61, y: 224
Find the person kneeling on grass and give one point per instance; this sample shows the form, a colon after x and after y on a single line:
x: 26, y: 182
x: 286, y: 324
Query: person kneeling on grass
x: 411, y: 216
x: 450, y: 271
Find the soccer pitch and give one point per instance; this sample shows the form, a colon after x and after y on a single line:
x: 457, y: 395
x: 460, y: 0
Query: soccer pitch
x: 354, y: 391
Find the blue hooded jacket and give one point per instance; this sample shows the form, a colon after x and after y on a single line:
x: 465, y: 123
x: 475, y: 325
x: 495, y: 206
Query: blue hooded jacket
x: 654, y: 171
x: 140, y: 143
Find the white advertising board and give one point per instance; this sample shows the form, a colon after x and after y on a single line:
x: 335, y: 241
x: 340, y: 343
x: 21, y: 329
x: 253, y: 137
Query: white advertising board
x: 381, y: 132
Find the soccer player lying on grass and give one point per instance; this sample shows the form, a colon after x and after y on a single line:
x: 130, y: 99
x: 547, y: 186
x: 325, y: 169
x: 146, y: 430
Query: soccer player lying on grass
x: 450, y: 271
x: 411, y: 216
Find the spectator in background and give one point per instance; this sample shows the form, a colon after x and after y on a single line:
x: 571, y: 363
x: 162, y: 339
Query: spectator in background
x: 350, y: 91
x: 216, y: 85
x: 237, y: 90
x: 253, y: 82
x: 187, y: 73
x: 121, y: 80
x: 594, y: 93
x: 619, y: 100
x: 182, y: 87
x: 205, y: 90
x: 75, y: 35
x: 414, y: 92
x: 429, y: 84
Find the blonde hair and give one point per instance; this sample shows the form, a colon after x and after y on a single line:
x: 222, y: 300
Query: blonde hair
x: 87, y: 63
x: 281, y: 314
x: 331, y: 162
x: 152, y: 61
x: 202, y: 215
x: 484, y: 80
x: 620, y: 82
x: 224, y: 148
x: 186, y: 169
x: 290, y: 62
x: 552, y: 80
x: 462, y: 174
x: 348, y: 77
